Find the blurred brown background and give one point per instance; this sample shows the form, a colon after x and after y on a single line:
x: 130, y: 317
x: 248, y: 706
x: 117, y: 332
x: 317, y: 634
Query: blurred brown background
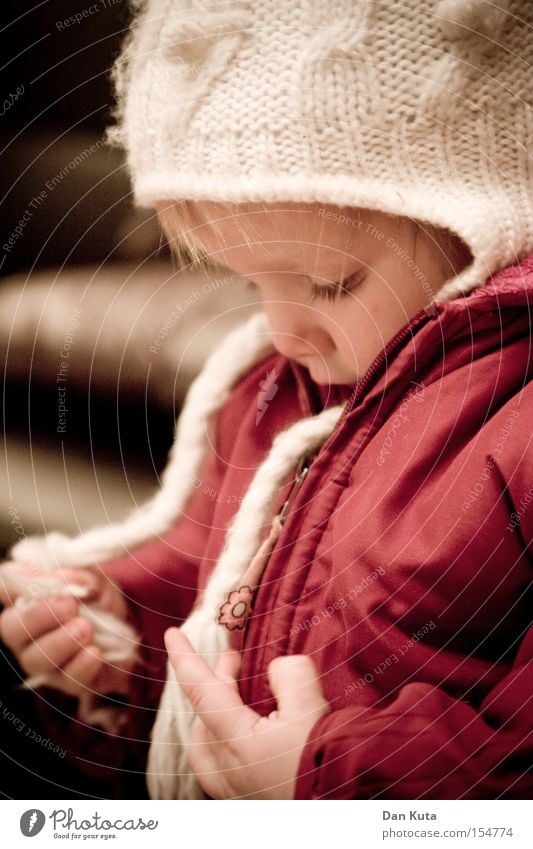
x: 78, y: 263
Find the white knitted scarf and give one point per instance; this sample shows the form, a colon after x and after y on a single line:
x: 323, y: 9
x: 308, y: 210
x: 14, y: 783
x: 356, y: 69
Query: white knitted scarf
x: 169, y: 774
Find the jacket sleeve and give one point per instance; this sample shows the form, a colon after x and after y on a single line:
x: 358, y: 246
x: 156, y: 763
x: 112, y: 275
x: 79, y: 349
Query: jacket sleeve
x: 159, y: 581
x: 427, y: 744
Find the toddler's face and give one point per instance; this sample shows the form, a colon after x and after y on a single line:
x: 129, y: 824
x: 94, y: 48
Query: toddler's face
x: 336, y: 284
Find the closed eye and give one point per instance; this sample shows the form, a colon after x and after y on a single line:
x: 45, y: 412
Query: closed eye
x: 330, y: 291
x: 336, y: 290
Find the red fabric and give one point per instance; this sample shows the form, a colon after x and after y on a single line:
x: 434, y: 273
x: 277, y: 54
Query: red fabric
x: 414, y: 520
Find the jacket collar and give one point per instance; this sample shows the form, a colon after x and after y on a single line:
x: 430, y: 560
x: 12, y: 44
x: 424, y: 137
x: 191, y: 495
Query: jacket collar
x: 511, y: 287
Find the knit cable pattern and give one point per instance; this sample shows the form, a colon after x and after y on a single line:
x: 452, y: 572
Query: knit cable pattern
x: 421, y: 108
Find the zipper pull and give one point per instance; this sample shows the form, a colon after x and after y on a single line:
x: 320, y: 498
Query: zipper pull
x: 303, y: 471
x: 432, y: 310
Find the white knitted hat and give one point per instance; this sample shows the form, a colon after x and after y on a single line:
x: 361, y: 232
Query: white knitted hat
x: 417, y: 108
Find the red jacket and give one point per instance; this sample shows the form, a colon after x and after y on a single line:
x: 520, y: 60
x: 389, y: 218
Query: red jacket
x: 403, y: 568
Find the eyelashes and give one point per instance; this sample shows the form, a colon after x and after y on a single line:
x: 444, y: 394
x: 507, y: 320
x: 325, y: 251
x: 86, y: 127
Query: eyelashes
x: 337, y: 290
x: 328, y: 292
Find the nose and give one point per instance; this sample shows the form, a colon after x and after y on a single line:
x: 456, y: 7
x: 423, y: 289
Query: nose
x: 295, y: 329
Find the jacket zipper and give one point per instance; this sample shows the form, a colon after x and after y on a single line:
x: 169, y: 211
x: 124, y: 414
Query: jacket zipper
x: 430, y: 312
x: 251, y: 580
x: 302, y: 470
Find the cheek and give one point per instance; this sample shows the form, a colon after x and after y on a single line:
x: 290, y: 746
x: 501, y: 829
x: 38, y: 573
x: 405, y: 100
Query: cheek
x: 360, y: 330
x: 351, y: 321
x: 370, y: 319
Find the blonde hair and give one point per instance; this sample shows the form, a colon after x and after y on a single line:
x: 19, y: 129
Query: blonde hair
x: 180, y: 220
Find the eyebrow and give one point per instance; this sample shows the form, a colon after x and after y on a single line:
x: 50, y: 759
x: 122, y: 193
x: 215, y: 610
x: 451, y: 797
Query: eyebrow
x: 345, y: 276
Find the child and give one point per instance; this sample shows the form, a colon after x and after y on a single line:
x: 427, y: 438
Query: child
x: 346, y: 507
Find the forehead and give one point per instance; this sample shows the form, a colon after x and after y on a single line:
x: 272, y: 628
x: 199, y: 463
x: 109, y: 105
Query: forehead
x: 276, y: 225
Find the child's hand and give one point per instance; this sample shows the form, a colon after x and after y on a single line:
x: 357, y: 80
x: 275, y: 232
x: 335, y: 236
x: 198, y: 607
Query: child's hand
x: 51, y: 638
x: 236, y: 752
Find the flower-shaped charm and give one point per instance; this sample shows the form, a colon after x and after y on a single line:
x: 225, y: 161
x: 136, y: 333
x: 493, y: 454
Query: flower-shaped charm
x: 235, y: 611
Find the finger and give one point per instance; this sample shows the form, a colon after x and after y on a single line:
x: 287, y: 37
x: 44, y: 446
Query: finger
x: 216, y: 702
x: 81, y: 671
x: 13, y: 576
x: 203, y: 760
x: 85, y: 579
x: 54, y: 649
x: 20, y: 627
x: 295, y: 684
x: 18, y: 579
x: 228, y: 666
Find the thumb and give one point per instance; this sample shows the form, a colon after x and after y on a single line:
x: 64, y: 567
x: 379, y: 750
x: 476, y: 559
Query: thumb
x: 295, y: 684
x: 13, y: 580
x: 228, y: 666
x: 18, y: 579
x: 87, y: 580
